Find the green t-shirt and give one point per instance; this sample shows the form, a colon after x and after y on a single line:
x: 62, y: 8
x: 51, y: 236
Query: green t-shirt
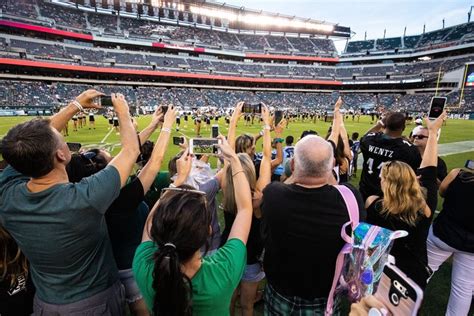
x: 63, y: 233
x: 213, y: 284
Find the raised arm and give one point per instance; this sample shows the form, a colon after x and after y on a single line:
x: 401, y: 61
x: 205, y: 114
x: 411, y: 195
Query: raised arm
x: 243, y: 199
x: 127, y: 156
x: 447, y: 181
x: 279, y: 147
x: 345, y: 140
x: 155, y: 122
x: 233, y: 124
x: 265, y: 165
x: 336, y: 123
x: 84, y: 101
x: 150, y: 170
x: 430, y: 156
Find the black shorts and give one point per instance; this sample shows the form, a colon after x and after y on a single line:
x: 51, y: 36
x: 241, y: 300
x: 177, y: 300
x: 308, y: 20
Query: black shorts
x: 111, y: 121
x: 91, y: 119
x: 116, y: 123
x: 178, y: 121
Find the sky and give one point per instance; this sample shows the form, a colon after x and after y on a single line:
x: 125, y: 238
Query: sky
x: 372, y: 16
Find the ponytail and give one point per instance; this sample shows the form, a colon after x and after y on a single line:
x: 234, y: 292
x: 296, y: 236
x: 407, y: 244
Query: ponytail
x: 172, y: 287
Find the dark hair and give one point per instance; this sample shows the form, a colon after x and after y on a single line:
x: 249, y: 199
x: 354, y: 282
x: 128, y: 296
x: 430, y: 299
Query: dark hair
x: 289, y: 140
x: 145, y: 152
x: 308, y: 132
x: 30, y: 147
x: 355, y: 136
x: 85, y: 164
x: 180, y: 227
x: 172, y: 169
x: 12, y: 261
x: 395, y: 122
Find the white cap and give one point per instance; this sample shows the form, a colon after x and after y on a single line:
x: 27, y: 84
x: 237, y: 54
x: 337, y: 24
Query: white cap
x: 419, y: 121
x: 416, y: 130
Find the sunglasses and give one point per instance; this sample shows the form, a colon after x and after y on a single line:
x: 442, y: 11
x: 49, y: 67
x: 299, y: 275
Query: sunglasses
x: 183, y: 190
x: 419, y: 136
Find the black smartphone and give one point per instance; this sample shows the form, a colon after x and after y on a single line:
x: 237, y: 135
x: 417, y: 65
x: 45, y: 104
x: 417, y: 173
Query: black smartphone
x: 437, y: 107
x: 178, y: 140
x: 74, y: 147
x: 164, y: 109
x: 469, y: 164
x: 278, y: 117
x: 257, y: 108
x: 106, y: 101
x: 247, y: 108
x: 215, y: 131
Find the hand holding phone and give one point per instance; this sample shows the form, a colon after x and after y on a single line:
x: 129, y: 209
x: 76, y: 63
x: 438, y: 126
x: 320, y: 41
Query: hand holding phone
x: 178, y: 140
x: 398, y: 293
x: 204, y: 146
x: 106, y: 101
x: 436, y: 107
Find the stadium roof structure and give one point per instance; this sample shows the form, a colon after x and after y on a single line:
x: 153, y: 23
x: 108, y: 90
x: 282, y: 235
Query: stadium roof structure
x: 223, y: 15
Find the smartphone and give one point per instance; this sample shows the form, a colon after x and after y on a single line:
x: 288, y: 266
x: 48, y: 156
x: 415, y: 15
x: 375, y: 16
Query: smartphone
x: 106, y: 101
x: 252, y: 108
x: 74, y: 147
x: 399, y: 294
x: 204, y: 146
x: 278, y: 116
x: 215, y: 131
x: 164, y: 109
x: 437, y: 107
x: 469, y: 164
x: 178, y: 140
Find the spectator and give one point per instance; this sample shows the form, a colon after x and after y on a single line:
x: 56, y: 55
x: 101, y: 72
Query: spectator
x: 127, y: 214
x: 301, y: 225
x: 60, y: 226
x: 403, y: 206
x: 253, y: 272
x: 355, y: 148
x: 170, y: 257
x: 420, y: 138
x: 384, y: 143
x: 288, y: 153
x: 16, y: 288
x: 452, y: 234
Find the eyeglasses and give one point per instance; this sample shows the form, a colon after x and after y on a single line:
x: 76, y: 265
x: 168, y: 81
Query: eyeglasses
x: 419, y: 136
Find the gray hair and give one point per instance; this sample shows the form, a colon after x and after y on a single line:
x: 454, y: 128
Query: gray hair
x: 314, y: 157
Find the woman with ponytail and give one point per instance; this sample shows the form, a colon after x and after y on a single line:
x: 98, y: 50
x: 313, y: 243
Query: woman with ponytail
x: 169, y: 269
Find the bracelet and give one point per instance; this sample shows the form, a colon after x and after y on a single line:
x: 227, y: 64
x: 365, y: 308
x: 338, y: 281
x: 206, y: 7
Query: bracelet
x: 233, y: 175
x: 166, y: 130
x: 267, y: 127
x: 261, y: 133
x: 279, y: 140
x: 78, y: 105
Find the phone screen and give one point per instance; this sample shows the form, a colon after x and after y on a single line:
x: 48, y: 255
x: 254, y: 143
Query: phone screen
x: 437, y: 107
x: 278, y: 116
x: 204, y: 146
x: 215, y: 131
x: 178, y: 140
x: 247, y: 108
x: 470, y: 164
x: 106, y: 101
x: 74, y: 147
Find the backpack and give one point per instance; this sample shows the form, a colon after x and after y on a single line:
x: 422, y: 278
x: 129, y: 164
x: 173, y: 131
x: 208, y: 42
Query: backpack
x: 360, y: 262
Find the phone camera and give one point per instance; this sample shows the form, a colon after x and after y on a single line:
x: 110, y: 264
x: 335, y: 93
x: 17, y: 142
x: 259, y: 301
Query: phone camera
x: 394, y: 299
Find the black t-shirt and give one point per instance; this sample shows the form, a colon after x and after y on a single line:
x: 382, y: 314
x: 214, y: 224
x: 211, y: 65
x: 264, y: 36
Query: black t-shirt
x: 378, y: 148
x: 442, y: 170
x: 126, y: 218
x: 301, y: 231
x: 455, y: 224
x: 410, y: 251
x: 17, y: 299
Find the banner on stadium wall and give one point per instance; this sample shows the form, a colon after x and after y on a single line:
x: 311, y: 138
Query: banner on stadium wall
x: 469, y: 76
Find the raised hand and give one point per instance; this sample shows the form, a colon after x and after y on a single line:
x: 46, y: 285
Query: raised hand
x: 266, y: 117
x: 86, y: 99
x: 435, y: 125
x: 225, y: 150
x: 170, y: 116
x: 120, y: 104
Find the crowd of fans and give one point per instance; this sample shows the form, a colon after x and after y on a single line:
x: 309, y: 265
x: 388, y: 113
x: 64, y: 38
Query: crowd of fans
x: 87, y: 233
x: 55, y: 51
x: 31, y: 95
x: 446, y: 36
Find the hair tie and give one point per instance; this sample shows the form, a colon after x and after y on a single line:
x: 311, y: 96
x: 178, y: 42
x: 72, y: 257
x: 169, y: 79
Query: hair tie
x: 168, y: 244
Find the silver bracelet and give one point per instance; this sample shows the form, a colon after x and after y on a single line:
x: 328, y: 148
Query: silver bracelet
x: 166, y: 130
x: 267, y: 127
x: 78, y: 105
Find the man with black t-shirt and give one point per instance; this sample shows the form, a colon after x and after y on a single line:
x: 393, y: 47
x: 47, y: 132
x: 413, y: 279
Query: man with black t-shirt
x: 301, y: 228
x: 382, y: 143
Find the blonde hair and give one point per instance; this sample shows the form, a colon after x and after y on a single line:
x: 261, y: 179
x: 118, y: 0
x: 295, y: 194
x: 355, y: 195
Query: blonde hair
x: 249, y: 171
x: 402, y: 194
x: 12, y: 261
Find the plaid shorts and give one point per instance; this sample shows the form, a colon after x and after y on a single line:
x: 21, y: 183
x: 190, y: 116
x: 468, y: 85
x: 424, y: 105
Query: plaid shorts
x: 277, y: 304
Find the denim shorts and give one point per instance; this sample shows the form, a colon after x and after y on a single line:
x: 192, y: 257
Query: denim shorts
x: 132, y: 293
x: 253, y: 273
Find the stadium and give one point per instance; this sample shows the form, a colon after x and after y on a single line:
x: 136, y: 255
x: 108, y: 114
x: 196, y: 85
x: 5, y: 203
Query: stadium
x: 204, y: 57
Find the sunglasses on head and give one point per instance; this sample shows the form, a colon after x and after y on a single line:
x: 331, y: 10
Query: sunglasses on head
x: 419, y: 136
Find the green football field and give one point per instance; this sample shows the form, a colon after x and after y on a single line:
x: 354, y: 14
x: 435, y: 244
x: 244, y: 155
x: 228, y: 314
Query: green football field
x: 437, y: 292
